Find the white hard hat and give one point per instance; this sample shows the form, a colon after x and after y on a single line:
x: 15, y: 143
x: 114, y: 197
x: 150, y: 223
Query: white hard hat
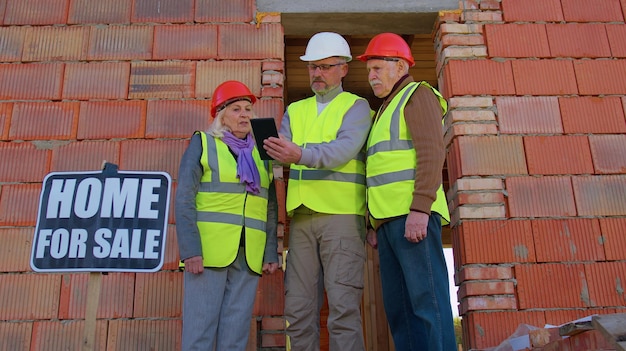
x: 326, y: 44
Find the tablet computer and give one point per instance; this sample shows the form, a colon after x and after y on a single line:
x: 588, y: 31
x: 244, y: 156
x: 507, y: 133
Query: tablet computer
x: 263, y: 128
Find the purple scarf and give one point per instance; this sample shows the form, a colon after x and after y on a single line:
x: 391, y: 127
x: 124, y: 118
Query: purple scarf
x: 246, y: 168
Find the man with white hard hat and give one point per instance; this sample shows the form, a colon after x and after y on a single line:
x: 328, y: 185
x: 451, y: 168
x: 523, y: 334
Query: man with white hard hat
x: 322, y: 141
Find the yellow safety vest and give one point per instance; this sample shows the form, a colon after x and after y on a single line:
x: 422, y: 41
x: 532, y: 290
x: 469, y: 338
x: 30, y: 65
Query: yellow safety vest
x: 392, y: 161
x: 224, y: 208
x: 340, y: 190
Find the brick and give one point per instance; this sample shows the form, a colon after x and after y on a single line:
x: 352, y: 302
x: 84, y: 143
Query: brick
x: 590, y: 114
x: 19, y: 204
x: 540, y: 197
x: 496, y: 241
x: 197, y: 42
x: 458, y: 28
x: 267, y: 302
x: 566, y: 289
x: 488, y: 329
x: 15, y: 155
x: 267, y: 17
x: 478, y: 77
x: 102, y: 11
x: 270, y: 108
x: 5, y: 119
x: 463, y: 52
x: 273, y: 79
x: 96, y: 80
x: 459, y: 129
x: 481, y: 16
x: 596, y: 11
x: 15, y: 250
x: 120, y: 43
x: 3, y: 6
x: 479, y: 212
x: 462, y: 40
x: 115, y: 119
x: 15, y: 335
x: 84, y: 156
x: 217, y: 11
x: 29, y: 296
x: 605, y: 283
x: 517, y: 40
x: 484, y: 273
x: 614, y: 239
x: 470, y: 116
x: 459, y: 102
x: 479, y: 198
x: 32, y: 12
x: 170, y: 79
x: 615, y: 33
x: 273, y: 323
x: 16, y: 81
x: 152, y: 155
x: 163, y: 11
x: 477, y: 184
x: 44, y: 121
x: 158, y: 295
x: 246, y: 41
x: 529, y: 115
x: 558, y: 317
x: 12, y: 43
x: 176, y: 118
x: 131, y: 334
x: 490, y: 155
x: 66, y: 335
x: 489, y: 5
x: 171, y: 260
x: 608, y: 153
x: 568, y: 240
x: 115, y: 296
x: 172, y: 218
x: 544, y: 77
x: 210, y: 74
x: 532, y: 11
x: 273, y: 340
x: 486, y: 288
x: 599, y: 77
x: 272, y: 92
x: 558, y: 154
x: 277, y: 66
x: 55, y: 43
x: 482, y: 303
x: 578, y: 40
x: 600, y: 195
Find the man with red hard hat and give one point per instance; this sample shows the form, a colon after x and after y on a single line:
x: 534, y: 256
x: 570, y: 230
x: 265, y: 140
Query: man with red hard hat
x: 322, y: 141
x: 405, y: 198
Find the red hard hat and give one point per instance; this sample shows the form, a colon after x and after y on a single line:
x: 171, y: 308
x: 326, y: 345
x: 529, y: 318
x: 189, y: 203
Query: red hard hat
x: 228, y: 92
x: 388, y: 45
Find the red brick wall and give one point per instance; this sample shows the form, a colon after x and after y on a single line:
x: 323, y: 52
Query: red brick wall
x: 127, y: 82
x: 537, y: 160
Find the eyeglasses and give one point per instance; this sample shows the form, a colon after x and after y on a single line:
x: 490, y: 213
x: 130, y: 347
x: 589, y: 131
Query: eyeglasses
x: 324, y: 67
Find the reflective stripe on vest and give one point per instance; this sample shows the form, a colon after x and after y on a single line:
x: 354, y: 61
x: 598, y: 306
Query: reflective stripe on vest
x: 392, y: 162
x: 340, y: 190
x: 224, y: 208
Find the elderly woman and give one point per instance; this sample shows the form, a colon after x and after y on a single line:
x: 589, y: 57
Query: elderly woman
x: 226, y: 215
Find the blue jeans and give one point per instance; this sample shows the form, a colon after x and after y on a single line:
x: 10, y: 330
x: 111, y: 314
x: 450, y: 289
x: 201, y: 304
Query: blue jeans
x: 415, y: 288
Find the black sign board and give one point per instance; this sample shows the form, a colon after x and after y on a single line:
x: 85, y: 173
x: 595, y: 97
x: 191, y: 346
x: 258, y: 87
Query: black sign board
x: 105, y: 221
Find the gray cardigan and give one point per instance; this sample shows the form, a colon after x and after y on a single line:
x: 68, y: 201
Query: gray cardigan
x: 189, y: 175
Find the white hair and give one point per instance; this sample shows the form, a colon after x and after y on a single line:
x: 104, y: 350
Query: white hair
x: 217, y: 127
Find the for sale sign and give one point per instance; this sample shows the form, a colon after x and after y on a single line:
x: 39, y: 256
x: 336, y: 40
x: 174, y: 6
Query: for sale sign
x: 102, y: 221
